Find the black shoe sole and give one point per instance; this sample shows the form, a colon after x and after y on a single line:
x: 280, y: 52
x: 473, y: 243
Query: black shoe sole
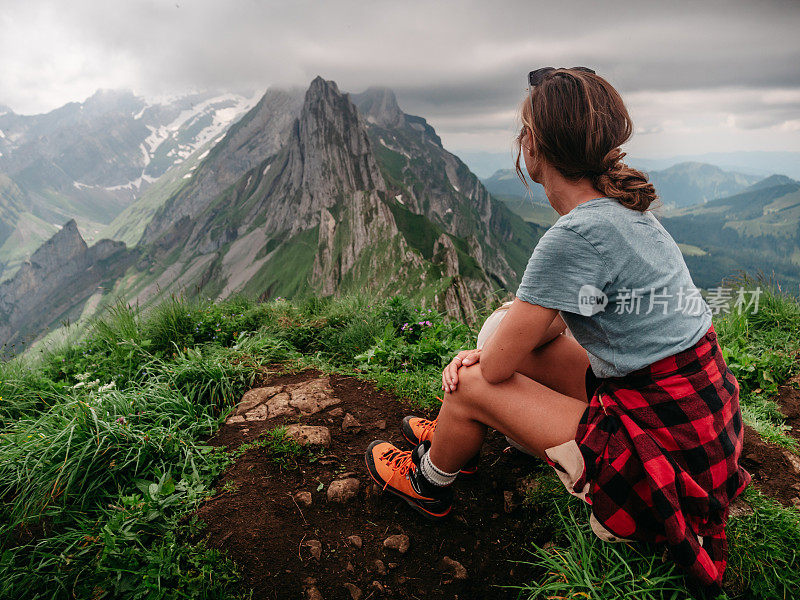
x: 412, y: 502
x: 405, y: 428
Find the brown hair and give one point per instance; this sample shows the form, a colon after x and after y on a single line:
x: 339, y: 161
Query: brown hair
x: 579, y: 122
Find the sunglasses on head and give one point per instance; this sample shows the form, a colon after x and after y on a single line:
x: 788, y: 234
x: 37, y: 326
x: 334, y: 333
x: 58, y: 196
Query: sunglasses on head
x: 536, y: 77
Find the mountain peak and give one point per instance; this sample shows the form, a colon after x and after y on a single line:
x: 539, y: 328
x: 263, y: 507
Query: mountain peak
x: 322, y: 87
x: 379, y: 106
x: 771, y: 181
x: 65, y: 244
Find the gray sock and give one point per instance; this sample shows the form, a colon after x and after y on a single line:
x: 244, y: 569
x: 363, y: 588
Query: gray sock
x: 433, y: 474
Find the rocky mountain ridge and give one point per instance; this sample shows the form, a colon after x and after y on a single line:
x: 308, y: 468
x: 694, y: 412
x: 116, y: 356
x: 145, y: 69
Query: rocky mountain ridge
x: 325, y: 193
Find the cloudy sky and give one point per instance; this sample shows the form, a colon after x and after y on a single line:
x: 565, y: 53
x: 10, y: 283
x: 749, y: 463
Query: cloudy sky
x: 698, y: 76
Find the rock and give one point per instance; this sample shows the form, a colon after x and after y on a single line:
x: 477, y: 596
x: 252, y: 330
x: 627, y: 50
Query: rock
x: 355, y: 541
x: 380, y: 568
x: 235, y: 419
x: 793, y: 460
x: 278, y: 406
x: 256, y: 396
x: 350, y: 422
x: 355, y: 591
x: 303, y: 498
x: 349, y: 567
x: 376, y: 585
x: 336, y: 412
x: 309, y: 435
x: 381, y: 424
x: 343, y: 490
x: 392, y: 566
x: 315, y: 547
x: 310, y: 397
x: 259, y: 413
x: 509, y: 504
x: 313, y: 593
x: 399, y: 542
x: 455, y: 568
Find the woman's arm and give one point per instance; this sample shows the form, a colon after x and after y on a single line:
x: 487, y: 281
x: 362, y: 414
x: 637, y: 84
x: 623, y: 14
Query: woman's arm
x: 525, y: 327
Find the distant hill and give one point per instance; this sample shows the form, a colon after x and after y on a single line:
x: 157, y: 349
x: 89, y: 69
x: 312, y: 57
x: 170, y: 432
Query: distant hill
x: 755, y: 230
x: 680, y: 185
x: 690, y: 183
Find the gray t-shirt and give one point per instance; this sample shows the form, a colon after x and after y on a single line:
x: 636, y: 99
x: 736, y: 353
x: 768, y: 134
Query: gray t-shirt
x: 621, y: 285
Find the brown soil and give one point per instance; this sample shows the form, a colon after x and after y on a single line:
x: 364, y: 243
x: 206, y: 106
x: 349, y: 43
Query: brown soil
x: 265, y: 530
x: 775, y: 471
x: 789, y: 401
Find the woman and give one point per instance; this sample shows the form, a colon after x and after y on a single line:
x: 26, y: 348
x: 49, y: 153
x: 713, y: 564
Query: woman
x: 638, y: 413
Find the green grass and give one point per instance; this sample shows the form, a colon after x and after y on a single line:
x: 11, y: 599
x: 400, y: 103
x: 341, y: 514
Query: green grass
x: 102, y: 458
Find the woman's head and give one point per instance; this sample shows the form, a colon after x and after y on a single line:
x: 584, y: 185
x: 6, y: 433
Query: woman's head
x: 578, y: 122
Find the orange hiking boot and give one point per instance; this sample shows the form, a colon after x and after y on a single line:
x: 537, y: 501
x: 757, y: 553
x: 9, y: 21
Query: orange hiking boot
x: 417, y: 430
x: 397, y: 471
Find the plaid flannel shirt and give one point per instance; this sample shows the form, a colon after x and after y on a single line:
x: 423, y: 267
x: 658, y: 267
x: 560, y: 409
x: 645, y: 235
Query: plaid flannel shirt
x: 661, y: 451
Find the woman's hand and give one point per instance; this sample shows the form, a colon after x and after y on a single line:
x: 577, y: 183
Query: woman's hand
x: 464, y: 358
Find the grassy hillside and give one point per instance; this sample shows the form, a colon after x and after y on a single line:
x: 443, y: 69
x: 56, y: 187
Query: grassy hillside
x: 104, y: 459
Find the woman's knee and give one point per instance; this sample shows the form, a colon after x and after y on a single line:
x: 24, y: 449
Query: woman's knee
x: 470, y: 384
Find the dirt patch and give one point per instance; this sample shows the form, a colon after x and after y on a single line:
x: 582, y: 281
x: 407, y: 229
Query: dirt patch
x: 776, y: 472
x: 287, y: 548
x: 789, y: 402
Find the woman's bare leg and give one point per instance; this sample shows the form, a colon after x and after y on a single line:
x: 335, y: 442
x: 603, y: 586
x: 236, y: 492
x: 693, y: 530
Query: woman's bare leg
x: 531, y: 413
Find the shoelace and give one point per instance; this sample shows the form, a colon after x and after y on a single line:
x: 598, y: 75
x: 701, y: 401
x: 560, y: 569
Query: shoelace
x: 399, y: 461
x: 426, y: 428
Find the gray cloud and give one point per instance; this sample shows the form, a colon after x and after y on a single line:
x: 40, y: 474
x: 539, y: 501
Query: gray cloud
x: 462, y: 65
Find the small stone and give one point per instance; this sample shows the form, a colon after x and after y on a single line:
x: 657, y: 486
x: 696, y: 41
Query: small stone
x: 244, y: 431
x: 343, y: 490
x: 235, y: 419
x: 303, y: 498
x: 313, y: 593
x: 336, y: 412
x: 355, y: 591
x: 350, y: 568
x: 793, y: 460
x: 393, y: 565
x: 355, y: 541
x: 308, y: 581
x: 796, y: 502
x: 259, y: 413
x: 350, y: 422
x: 256, y: 396
x: 278, y: 406
x: 401, y: 579
x: 548, y: 544
x: 399, y: 542
x: 381, y: 424
x: 509, y: 504
x: 455, y: 568
x: 309, y: 435
x: 315, y: 547
x: 380, y: 568
x: 376, y: 585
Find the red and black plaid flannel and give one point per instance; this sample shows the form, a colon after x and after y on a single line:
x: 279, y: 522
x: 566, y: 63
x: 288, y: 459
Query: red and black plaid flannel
x: 661, y: 449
